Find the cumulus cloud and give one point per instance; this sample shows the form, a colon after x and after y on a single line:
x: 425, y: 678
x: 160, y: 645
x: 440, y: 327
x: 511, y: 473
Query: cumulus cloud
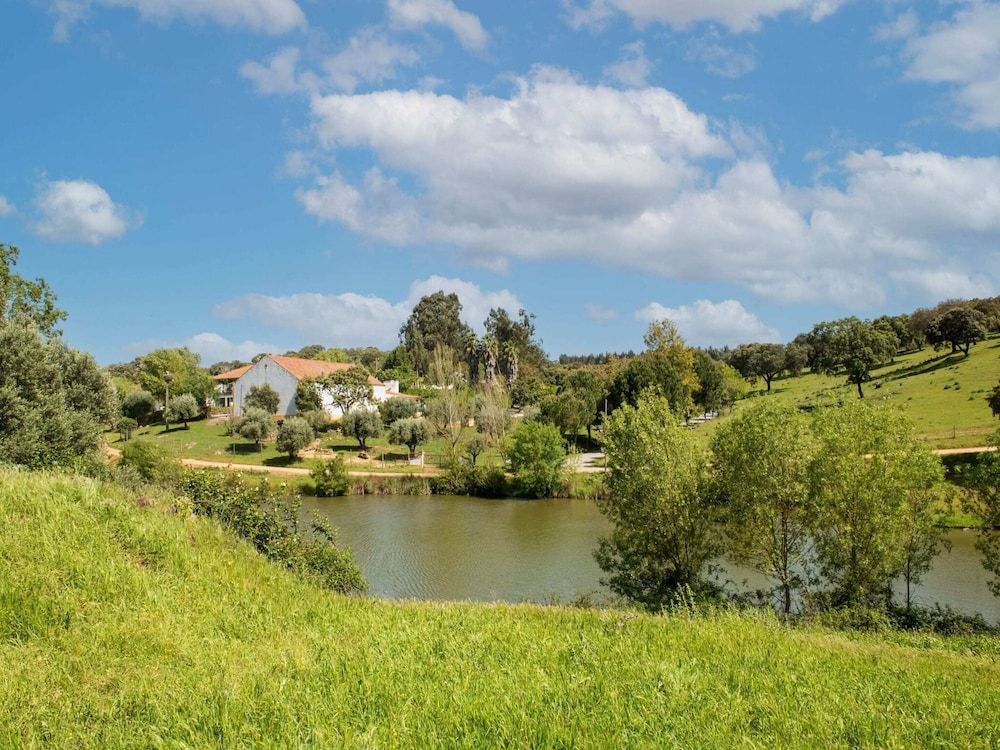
x: 632, y: 68
x: 6, y: 207
x: 634, y: 178
x: 262, y: 16
x: 352, y: 319
x: 415, y: 14
x: 735, y: 15
x: 78, y: 211
x: 599, y: 313
x: 706, y: 323
x: 964, y: 53
x: 216, y: 348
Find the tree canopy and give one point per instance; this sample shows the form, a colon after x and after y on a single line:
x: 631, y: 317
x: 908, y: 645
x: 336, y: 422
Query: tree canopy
x: 434, y: 323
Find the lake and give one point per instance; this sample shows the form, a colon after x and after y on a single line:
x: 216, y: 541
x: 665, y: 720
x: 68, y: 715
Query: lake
x: 462, y: 548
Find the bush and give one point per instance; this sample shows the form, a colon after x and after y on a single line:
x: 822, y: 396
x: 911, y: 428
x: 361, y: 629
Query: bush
x: 139, y: 406
x: 262, y: 397
x: 411, y: 432
x: 307, y: 397
x: 271, y: 524
x: 537, y: 457
x: 294, y: 435
x: 362, y: 425
x: 330, y: 478
x: 256, y: 426
x: 475, y: 481
x: 149, y: 461
x: 125, y: 427
x: 396, y: 409
x: 318, y: 419
x: 182, y: 408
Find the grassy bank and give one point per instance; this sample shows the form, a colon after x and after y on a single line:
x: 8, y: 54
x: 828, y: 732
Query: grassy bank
x: 125, y: 622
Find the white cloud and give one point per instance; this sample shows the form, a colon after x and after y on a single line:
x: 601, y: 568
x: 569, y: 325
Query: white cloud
x: 706, y: 323
x: 945, y: 283
x: 902, y: 26
x: 278, y: 75
x: 632, y: 68
x: 415, y: 14
x: 721, y: 59
x: 351, y: 319
x: 599, y: 313
x: 78, y: 211
x: 965, y: 53
x: 735, y: 15
x: 263, y: 16
x: 215, y: 348
x: 6, y: 207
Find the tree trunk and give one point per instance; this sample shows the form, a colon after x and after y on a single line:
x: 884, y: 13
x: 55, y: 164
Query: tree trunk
x: 861, y: 393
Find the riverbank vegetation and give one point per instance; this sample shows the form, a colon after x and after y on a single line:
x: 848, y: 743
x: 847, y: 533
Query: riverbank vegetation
x: 125, y: 622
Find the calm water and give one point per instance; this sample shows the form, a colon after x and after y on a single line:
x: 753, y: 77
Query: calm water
x: 458, y: 548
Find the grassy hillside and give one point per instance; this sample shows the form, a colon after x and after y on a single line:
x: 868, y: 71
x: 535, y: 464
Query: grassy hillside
x: 126, y: 623
x: 943, y: 393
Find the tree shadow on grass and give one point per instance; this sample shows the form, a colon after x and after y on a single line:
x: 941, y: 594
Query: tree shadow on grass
x: 925, y: 367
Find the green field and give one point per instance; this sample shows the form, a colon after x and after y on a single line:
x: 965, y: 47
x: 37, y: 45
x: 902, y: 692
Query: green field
x: 124, y: 623
x: 942, y: 393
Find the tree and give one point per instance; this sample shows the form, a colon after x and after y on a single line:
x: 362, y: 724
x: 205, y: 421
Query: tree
x: 139, y: 406
x: 924, y: 516
x: 294, y: 435
x: 983, y: 477
x: 398, y: 408
x: 126, y: 426
x: 515, y: 339
x: 796, y: 359
x: 450, y: 409
x: 734, y: 386
x: 409, y: 431
x: 857, y: 347
x: 182, y: 408
x: 753, y: 361
x: 307, y: 397
x: 185, y: 367
x: 993, y: 400
x: 868, y: 471
x: 24, y: 300
x: 493, y: 413
x: 362, y: 425
x: 710, y: 395
x: 347, y: 388
x: 262, y: 397
x: 475, y: 447
x: 568, y: 411
x: 959, y: 327
x: 655, y: 372
x: 225, y: 366
x: 537, y: 457
x: 763, y: 459
x: 434, y: 323
x: 331, y: 478
x: 256, y: 426
x: 663, y: 528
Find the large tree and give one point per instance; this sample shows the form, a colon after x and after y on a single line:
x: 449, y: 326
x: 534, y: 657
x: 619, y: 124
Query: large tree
x: 185, y: 367
x: 347, y: 388
x: 663, y: 526
x: 959, y: 328
x: 856, y: 347
x: 765, y: 361
x: 435, y: 322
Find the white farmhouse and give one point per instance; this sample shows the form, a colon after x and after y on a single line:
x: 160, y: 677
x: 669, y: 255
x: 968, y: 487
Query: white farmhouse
x: 284, y: 374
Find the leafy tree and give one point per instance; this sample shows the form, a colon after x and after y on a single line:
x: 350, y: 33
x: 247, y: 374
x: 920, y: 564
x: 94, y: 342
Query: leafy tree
x: 868, y: 470
x: 450, y: 408
x: 753, y: 361
x: 569, y: 411
x: 126, y: 426
x: 362, y: 425
x: 307, y: 397
x: 256, y: 426
x: 537, y: 457
x: 663, y: 528
x: 983, y: 477
x: 529, y: 389
x: 475, y: 447
x: 332, y: 355
x: 734, y: 386
x: 763, y: 459
x: 960, y: 328
x: 924, y: 516
x: 710, y: 395
x: 796, y: 359
x: 225, y: 366
x: 347, y: 388
x: 654, y: 372
x: 262, y: 397
x: 993, y: 400
x: 319, y: 420
x: 409, y: 431
x: 331, y: 478
x: 398, y: 408
x: 294, y: 435
x: 139, y: 406
x: 182, y: 408
x: 435, y: 323
x: 857, y: 347
x: 185, y: 367
x: 24, y: 300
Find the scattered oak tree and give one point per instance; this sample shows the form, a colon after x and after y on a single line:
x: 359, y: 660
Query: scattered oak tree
x: 959, y: 328
x: 857, y: 347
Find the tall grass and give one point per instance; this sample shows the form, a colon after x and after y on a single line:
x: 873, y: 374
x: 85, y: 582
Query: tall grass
x: 125, y: 622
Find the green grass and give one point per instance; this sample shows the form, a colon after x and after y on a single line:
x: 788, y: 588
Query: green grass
x: 131, y: 626
x: 942, y: 393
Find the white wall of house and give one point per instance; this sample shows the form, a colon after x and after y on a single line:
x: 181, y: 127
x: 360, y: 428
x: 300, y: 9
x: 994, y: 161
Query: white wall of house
x: 267, y: 372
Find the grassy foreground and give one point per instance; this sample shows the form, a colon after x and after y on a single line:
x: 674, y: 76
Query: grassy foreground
x: 125, y: 622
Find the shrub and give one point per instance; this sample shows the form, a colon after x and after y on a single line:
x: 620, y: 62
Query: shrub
x: 410, y: 432
x: 149, y: 461
x: 294, y: 435
x: 475, y: 481
x: 125, y: 427
x: 182, y: 408
x: 256, y: 426
x: 271, y: 524
x: 362, y: 425
x: 318, y: 419
x: 330, y: 478
x: 262, y: 397
x: 537, y: 458
x: 139, y: 406
x: 396, y: 409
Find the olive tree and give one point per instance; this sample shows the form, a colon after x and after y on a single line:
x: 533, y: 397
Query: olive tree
x: 294, y: 435
x: 763, y: 459
x: 262, y: 397
x: 183, y: 409
x: 398, y: 408
x: 362, y: 425
x: 256, y: 426
x: 663, y: 526
x: 410, y: 431
x: 139, y: 406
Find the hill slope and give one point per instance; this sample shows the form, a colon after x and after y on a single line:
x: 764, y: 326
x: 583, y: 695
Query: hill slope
x: 130, y: 626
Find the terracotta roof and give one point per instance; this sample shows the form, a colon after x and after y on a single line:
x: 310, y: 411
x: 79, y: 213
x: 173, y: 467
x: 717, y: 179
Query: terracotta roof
x: 236, y: 374
x: 304, y: 369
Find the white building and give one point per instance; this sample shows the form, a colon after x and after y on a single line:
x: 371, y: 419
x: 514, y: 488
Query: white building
x: 284, y: 374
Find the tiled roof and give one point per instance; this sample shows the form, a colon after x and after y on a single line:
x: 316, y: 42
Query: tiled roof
x: 236, y: 374
x: 305, y: 369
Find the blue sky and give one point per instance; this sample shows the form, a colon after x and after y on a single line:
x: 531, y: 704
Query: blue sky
x: 243, y: 175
